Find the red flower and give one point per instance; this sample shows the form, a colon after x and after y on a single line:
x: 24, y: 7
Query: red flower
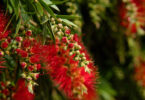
x: 38, y: 66
x: 30, y: 68
x: 22, y: 92
x: 18, y: 39
x: 35, y: 58
x: 29, y: 33
x: 23, y: 65
x: 68, y: 31
x: 4, y: 45
x: 65, y: 71
x: 64, y: 39
x: 140, y: 73
x: 36, y: 49
x: 3, y: 23
x: 26, y: 43
x: 137, y: 9
x: 2, y: 84
x: 133, y: 28
x: 75, y: 38
x: 70, y: 45
x: 5, y: 92
x: 23, y: 53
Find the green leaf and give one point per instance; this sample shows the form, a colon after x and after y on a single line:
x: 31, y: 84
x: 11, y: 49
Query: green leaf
x: 25, y: 16
x: 69, y: 22
x: 47, y: 8
x: 68, y: 16
x: 47, y: 1
x: 51, y: 33
x: 18, y: 26
x: 15, y: 5
x: 55, y: 7
x: 44, y: 21
x: 59, y: 2
x: 39, y: 8
x: 54, y: 2
x: 10, y: 9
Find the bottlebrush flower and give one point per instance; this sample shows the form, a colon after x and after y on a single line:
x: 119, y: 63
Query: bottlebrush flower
x: 35, y: 58
x: 132, y: 15
x: 3, y: 23
x: 22, y: 92
x: 23, y: 53
x: 67, y: 72
x: 26, y: 43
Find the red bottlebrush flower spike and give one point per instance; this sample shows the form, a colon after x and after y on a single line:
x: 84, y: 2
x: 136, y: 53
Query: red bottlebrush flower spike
x: 132, y: 15
x: 65, y: 71
x: 22, y: 92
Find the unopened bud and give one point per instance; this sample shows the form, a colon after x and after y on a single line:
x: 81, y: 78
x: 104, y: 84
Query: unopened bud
x: 84, y: 58
x: 29, y: 78
x: 71, y: 53
x: 29, y: 33
x: 66, y: 28
x: 23, y: 75
x: 60, y: 25
x: 77, y: 52
x: 1, y: 53
x: 23, y: 65
x: 59, y: 20
x: 82, y: 64
x: 52, y: 19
